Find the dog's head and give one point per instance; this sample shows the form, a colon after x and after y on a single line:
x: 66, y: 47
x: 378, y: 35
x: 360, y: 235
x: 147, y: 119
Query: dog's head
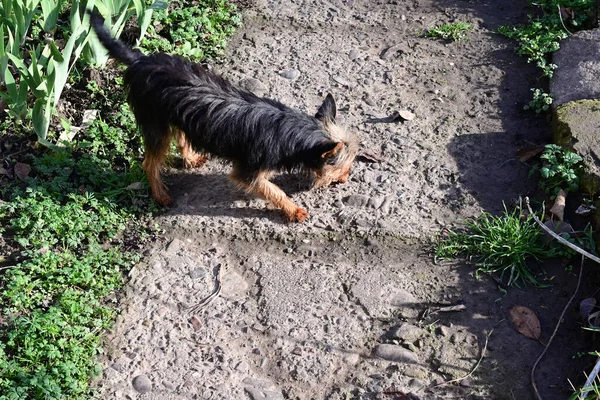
x: 339, y: 152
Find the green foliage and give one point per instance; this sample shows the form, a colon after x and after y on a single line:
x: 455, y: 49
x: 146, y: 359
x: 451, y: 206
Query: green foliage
x: 542, y: 34
x: 499, y: 244
x: 42, y: 68
x: 197, y: 32
x: 541, y: 101
x: 455, y: 32
x: 560, y: 170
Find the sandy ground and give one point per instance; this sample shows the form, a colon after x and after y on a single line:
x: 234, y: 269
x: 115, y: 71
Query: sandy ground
x: 346, y: 305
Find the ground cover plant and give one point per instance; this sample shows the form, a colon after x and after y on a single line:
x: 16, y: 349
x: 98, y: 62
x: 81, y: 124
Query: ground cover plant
x: 72, y: 214
x: 541, y: 35
x: 456, y: 31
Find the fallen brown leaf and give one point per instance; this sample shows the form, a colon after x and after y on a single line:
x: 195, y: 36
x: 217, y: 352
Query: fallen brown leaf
x: 558, y: 209
x: 526, y: 322
x: 22, y: 170
x: 370, y: 156
x: 527, y: 153
x: 587, y: 306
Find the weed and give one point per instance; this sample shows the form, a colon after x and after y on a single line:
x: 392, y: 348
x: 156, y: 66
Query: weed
x: 541, y: 101
x: 455, y: 32
x: 560, y: 170
x: 194, y: 32
x: 499, y: 244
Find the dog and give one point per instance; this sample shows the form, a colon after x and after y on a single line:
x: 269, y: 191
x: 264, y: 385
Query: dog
x: 175, y: 99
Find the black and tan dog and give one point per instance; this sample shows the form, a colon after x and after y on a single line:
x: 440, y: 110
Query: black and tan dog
x: 175, y: 99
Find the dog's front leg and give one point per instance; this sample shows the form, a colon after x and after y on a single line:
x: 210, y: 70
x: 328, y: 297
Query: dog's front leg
x: 260, y: 185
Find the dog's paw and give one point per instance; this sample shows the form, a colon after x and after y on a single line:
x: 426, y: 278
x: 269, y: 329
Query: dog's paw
x: 163, y: 199
x: 196, y: 161
x: 298, y: 215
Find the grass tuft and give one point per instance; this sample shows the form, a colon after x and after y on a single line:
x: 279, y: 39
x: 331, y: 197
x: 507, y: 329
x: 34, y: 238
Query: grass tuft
x: 499, y: 244
x: 455, y: 32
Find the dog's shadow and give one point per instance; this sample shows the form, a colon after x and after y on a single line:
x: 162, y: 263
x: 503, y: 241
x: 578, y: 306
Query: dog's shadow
x: 214, y: 194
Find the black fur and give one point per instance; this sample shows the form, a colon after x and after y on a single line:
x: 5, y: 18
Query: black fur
x: 254, y: 133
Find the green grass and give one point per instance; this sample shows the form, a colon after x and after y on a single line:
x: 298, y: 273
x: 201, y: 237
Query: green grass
x: 455, y: 32
x: 64, y: 251
x: 501, y: 245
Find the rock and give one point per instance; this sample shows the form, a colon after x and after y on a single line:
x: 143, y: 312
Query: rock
x: 405, y: 115
x: 392, y: 352
x: 406, y: 332
x: 234, y: 286
x: 291, y: 74
x: 254, y: 85
x: 353, y: 55
x: 576, y: 77
x: 173, y: 246
x: 355, y: 200
x: 391, y: 51
x: 142, y: 384
x: 262, y: 389
x: 198, y: 273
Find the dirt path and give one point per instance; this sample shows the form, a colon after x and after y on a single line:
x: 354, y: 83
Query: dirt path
x: 344, y: 306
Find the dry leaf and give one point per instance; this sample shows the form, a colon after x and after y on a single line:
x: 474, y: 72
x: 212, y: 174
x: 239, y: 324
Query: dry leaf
x: 135, y: 186
x: 370, y: 156
x: 22, y: 171
x: 558, y: 227
x: 526, y: 322
x: 558, y: 209
x: 527, y: 153
x: 585, y: 209
x: 586, y: 306
x: 4, y: 172
x: 594, y: 319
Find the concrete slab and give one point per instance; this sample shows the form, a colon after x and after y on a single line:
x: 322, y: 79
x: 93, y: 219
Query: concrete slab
x: 578, y: 73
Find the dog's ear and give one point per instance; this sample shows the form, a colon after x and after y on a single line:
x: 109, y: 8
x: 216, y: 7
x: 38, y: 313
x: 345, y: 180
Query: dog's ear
x: 327, y: 149
x: 327, y: 109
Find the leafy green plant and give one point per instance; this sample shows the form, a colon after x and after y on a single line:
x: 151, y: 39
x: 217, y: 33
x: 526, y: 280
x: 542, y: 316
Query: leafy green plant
x: 198, y: 32
x: 499, y: 244
x: 455, y: 32
x: 541, y: 101
x: 560, y: 169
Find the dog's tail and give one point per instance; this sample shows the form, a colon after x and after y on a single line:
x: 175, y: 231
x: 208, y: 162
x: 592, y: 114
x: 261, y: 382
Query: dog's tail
x: 116, y: 48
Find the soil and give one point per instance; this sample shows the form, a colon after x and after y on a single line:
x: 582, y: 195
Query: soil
x: 347, y: 304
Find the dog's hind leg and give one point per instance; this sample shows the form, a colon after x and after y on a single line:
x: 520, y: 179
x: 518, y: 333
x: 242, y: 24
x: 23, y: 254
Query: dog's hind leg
x: 191, y: 159
x: 260, y: 185
x: 157, y: 145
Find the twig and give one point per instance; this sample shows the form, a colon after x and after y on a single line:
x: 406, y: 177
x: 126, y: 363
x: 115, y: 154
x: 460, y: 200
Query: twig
x: 556, y: 327
x: 591, y: 378
x: 561, y: 20
x: 558, y: 237
x: 211, y: 297
x: 483, y: 351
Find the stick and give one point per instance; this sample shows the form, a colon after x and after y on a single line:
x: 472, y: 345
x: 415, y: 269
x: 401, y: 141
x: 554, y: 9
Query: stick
x: 557, y: 237
x: 591, y: 379
x: 211, y: 297
x: 555, y: 328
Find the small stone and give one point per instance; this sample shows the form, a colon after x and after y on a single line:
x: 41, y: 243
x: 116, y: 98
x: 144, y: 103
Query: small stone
x: 297, y: 351
x: 405, y: 115
x: 142, y: 384
x: 168, y: 385
x: 162, y: 311
x: 353, y: 55
x: 406, y: 332
x: 355, y: 200
x: 443, y: 331
x: 254, y: 85
x: 242, y: 367
x: 196, y: 323
x: 233, y: 286
x: 291, y: 74
x: 467, y: 382
x: 395, y: 353
x: 173, y: 246
x: 415, y: 384
x: 197, y: 273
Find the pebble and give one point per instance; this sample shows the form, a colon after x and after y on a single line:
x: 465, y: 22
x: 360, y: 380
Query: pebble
x: 254, y: 85
x: 392, y: 352
x: 198, y: 273
x: 196, y: 323
x: 406, y: 332
x: 233, y: 286
x: 142, y: 384
x: 353, y: 55
x: 291, y: 74
x: 355, y: 200
x: 174, y: 246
